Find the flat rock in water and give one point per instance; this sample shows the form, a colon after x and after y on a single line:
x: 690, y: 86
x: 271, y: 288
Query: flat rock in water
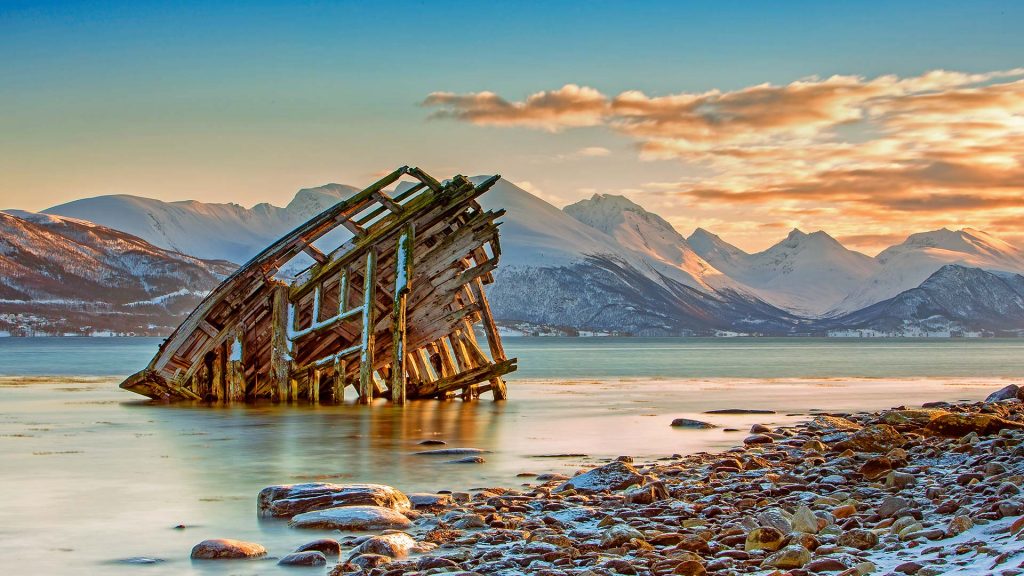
x: 428, y: 500
x: 689, y: 423
x: 227, y: 549
x: 287, y: 500
x: 431, y: 442
x: 327, y: 546
x: 613, y: 476
x: 467, y: 460
x: 352, y: 519
x: 451, y: 452
x: 739, y: 411
x: 308, y: 558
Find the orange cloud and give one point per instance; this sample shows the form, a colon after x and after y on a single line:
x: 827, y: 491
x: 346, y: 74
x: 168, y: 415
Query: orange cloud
x: 942, y: 147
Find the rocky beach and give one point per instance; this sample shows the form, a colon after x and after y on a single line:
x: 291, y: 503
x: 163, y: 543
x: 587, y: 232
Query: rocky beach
x: 928, y: 490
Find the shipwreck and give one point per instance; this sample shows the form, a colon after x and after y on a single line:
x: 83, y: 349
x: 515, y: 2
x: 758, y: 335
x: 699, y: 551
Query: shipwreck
x: 397, y: 311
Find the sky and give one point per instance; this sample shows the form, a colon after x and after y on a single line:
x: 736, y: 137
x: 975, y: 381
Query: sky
x: 870, y: 120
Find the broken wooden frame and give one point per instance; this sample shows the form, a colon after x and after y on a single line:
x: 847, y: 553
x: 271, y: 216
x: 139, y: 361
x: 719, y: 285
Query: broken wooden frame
x: 392, y: 312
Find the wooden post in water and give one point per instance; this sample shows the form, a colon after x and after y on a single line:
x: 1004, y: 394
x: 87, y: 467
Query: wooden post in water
x: 403, y: 282
x: 279, y: 360
x: 493, y: 338
x: 366, y: 383
x: 338, y: 384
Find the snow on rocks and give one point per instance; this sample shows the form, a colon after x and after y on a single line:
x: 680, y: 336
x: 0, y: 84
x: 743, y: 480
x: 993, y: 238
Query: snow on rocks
x: 352, y: 519
x: 614, y: 476
x: 227, y: 549
x: 896, y: 499
x: 287, y: 500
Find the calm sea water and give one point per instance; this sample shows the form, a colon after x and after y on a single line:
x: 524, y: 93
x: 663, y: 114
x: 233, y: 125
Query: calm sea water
x: 94, y: 475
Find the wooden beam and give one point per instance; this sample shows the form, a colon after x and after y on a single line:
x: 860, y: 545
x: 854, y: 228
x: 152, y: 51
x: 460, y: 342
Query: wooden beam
x: 368, y: 339
x: 403, y: 282
x: 315, y: 253
x: 279, y: 354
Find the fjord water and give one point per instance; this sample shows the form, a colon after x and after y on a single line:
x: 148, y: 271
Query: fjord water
x: 94, y: 475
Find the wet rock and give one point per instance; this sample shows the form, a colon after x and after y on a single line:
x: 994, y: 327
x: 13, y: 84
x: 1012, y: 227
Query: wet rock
x: 395, y: 545
x: 909, y: 568
x: 620, y: 534
x: 804, y: 520
x: 647, y: 494
x: 689, y: 423
x: 765, y: 538
x: 775, y: 518
x: 426, y: 500
x: 467, y: 460
x: 832, y: 423
x: 876, y: 468
x: 754, y: 439
x: 689, y: 568
x: 874, y: 438
x: 739, y: 411
x: 288, y: 500
x: 352, y: 518
x: 789, y: 557
x: 226, y: 549
x: 436, y: 563
x: 695, y: 544
x: 910, y: 419
x: 859, y: 538
x: 826, y: 564
x: 614, y: 476
x: 363, y: 561
x: 308, y: 558
x: 432, y: 442
x: 759, y: 429
x: 961, y: 424
x: 328, y: 546
x: 451, y: 452
x: 891, y: 505
x: 1009, y: 392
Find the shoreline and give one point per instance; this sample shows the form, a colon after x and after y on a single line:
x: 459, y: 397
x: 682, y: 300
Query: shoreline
x: 927, y: 491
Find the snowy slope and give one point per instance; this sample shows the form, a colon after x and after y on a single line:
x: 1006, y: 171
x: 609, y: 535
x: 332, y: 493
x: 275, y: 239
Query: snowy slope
x: 70, y: 273
x: 653, y: 243
x: 607, y: 264
x: 807, y: 274
x: 214, y: 231
x: 907, y: 265
x: 953, y: 298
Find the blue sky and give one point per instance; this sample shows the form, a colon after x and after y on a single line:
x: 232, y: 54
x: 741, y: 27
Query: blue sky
x: 249, y: 101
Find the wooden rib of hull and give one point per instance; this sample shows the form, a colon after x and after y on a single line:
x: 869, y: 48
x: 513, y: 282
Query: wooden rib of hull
x: 393, y: 312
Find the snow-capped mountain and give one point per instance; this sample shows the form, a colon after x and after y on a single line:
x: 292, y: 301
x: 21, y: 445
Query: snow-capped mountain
x: 607, y: 264
x: 66, y: 275
x: 604, y: 263
x: 807, y: 274
x: 953, y: 299
x: 907, y: 265
x: 654, y: 242
x: 213, y: 231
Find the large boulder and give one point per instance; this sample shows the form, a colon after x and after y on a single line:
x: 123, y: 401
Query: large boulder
x: 288, y: 500
x: 873, y: 438
x: 910, y: 419
x: 1008, y: 392
x: 956, y: 425
x: 394, y: 544
x: 227, y: 549
x: 825, y: 422
x: 353, y: 519
x: 614, y: 476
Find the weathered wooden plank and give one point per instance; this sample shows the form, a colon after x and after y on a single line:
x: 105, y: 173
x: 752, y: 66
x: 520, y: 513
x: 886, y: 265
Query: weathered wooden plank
x: 368, y: 338
x: 403, y: 281
x: 279, y: 354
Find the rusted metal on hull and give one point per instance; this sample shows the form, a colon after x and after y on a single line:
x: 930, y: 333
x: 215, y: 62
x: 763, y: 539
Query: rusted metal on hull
x: 392, y: 312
